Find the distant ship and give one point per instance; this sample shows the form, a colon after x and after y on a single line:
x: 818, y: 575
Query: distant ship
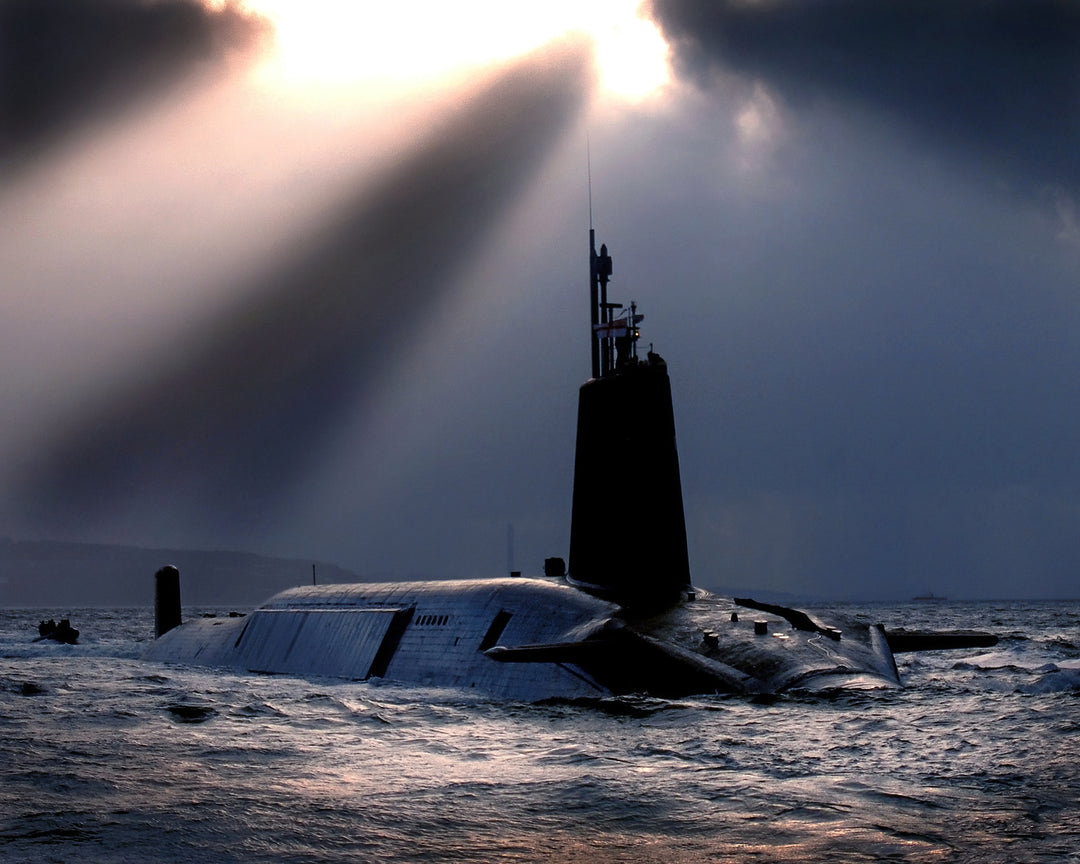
x: 931, y: 597
x: 623, y: 618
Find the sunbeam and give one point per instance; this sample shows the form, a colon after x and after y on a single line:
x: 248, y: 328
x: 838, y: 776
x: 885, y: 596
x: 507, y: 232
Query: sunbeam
x: 228, y: 417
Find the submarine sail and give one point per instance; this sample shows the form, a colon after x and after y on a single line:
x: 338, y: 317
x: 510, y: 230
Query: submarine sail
x: 628, y: 529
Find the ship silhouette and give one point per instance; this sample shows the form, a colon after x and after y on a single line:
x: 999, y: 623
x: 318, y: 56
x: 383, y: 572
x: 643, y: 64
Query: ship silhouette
x: 624, y: 617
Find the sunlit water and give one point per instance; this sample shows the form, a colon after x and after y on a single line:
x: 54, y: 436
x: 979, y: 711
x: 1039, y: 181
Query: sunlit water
x: 106, y: 758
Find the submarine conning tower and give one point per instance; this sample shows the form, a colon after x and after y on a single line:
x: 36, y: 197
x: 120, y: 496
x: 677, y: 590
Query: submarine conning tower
x: 627, y: 528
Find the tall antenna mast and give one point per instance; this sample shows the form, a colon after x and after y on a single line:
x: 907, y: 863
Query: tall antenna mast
x: 588, y: 168
x: 599, y: 308
x: 594, y: 281
x: 594, y: 305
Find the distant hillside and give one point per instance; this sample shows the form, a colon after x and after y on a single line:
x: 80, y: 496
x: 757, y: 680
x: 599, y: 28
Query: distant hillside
x: 48, y: 573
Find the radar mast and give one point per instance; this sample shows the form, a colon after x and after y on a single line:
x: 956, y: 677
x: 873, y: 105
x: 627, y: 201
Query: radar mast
x: 613, y: 337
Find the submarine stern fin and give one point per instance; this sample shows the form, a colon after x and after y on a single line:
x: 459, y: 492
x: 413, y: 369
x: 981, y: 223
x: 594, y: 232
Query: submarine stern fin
x: 901, y: 640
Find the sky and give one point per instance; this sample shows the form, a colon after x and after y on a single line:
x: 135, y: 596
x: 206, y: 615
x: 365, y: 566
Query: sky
x: 311, y: 280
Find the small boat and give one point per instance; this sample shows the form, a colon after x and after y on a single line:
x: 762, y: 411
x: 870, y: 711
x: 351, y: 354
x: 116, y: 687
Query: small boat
x: 62, y: 632
x: 929, y: 597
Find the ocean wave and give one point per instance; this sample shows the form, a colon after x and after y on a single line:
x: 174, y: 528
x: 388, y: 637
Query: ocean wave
x: 1055, y: 680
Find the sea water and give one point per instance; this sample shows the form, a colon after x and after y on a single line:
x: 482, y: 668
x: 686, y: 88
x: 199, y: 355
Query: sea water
x: 107, y: 758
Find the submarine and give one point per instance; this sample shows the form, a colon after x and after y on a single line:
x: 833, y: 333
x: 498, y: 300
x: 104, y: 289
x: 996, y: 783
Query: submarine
x: 622, y: 617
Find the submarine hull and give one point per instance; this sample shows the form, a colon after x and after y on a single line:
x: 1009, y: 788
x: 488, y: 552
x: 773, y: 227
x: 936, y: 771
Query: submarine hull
x: 526, y: 639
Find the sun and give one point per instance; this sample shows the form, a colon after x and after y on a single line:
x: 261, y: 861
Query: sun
x: 341, y: 42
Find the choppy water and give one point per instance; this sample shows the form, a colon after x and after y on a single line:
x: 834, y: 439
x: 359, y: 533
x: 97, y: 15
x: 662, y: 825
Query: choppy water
x: 107, y: 758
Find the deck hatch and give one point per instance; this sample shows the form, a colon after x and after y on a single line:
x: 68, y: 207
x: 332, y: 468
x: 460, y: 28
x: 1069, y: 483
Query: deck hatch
x: 390, y: 641
x: 339, y: 643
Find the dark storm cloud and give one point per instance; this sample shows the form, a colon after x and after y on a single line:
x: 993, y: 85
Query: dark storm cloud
x: 226, y: 424
x: 64, y: 62
x: 998, y: 80
x: 897, y: 403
